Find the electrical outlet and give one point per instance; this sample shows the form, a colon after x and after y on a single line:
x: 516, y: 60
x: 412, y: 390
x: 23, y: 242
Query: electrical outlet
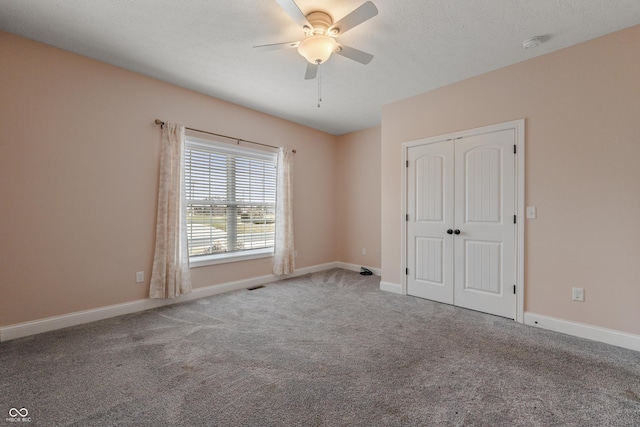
x: 139, y: 276
x: 577, y: 294
x: 364, y: 251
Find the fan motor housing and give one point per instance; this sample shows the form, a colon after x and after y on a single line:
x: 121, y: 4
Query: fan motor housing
x: 320, y: 22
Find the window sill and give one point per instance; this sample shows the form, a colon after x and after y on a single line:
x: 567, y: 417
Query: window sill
x: 203, y: 261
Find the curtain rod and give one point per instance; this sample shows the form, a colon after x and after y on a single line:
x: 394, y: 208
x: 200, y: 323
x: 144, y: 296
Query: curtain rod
x: 161, y: 123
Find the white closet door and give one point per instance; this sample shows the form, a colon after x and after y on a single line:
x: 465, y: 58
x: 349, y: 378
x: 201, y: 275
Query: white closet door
x: 485, y: 264
x: 460, y: 227
x: 430, y: 209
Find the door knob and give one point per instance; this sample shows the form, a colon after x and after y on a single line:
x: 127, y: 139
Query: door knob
x: 457, y: 231
x: 449, y: 231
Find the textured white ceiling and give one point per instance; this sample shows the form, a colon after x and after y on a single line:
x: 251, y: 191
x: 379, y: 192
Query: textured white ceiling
x: 419, y: 45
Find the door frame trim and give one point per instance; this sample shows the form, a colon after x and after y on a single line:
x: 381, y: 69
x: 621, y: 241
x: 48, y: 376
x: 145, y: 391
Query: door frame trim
x: 518, y: 127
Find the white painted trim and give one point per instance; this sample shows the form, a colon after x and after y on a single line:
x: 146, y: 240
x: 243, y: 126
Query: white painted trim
x: 403, y: 228
x: 228, y: 257
x: 595, y: 333
x: 582, y: 330
x: 355, y: 267
x: 312, y: 269
x: 395, y: 288
x: 33, y: 327
x: 19, y: 330
x: 520, y: 212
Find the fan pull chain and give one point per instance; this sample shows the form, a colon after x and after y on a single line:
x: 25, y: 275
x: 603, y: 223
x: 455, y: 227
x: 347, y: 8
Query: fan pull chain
x: 319, y: 86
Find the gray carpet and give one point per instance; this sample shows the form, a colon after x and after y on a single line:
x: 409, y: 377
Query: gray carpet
x: 327, y: 349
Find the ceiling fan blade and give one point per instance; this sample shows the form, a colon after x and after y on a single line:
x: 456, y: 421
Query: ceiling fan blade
x: 312, y: 71
x: 276, y: 46
x: 355, y: 54
x: 294, y: 12
x: 367, y: 11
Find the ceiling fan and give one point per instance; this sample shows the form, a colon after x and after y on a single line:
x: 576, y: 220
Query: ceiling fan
x: 321, y: 33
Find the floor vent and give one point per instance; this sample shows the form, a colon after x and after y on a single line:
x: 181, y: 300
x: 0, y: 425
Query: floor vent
x: 255, y: 287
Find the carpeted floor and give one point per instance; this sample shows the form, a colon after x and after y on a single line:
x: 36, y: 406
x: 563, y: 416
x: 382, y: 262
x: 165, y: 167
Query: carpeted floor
x: 326, y: 349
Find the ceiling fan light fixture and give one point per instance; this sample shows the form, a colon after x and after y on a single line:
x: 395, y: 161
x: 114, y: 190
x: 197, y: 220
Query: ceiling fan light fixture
x: 317, y: 49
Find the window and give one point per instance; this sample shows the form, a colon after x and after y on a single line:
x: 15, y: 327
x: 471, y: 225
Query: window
x: 231, y: 194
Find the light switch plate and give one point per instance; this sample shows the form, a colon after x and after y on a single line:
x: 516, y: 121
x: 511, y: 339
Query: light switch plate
x: 531, y: 212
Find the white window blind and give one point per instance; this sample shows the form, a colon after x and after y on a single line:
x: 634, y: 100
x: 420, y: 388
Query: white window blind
x: 231, y: 193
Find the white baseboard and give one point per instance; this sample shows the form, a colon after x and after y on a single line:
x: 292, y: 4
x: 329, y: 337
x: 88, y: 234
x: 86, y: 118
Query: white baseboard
x: 608, y: 336
x: 19, y: 330
x: 355, y: 267
x: 595, y: 333
x: 395, y: 288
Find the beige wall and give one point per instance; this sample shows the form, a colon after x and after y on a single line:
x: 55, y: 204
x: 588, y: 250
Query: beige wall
x: 79, y: 160
x: 582, y: 111
x: 358, y: 198
x: 79, y: 165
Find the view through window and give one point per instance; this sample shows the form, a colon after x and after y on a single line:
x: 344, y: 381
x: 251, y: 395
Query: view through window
x: 231, y: 193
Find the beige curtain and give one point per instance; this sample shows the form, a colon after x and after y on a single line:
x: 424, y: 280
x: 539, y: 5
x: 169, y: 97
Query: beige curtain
x: 284, y: 261
x: 170, y: 276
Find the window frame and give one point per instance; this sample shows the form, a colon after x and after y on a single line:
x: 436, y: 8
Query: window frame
x: 220, y: 147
